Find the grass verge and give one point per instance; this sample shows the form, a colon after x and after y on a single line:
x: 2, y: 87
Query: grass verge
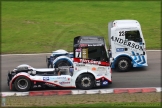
x: 44, y: 26
x: 95, y: 100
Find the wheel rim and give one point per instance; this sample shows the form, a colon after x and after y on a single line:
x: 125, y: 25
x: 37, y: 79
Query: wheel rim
x: 86, y: 82
x: 22, y: 84
x: 123, y: 64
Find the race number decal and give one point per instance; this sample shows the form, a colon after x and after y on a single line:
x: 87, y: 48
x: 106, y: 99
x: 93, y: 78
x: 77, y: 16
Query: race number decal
x: 121, y: 33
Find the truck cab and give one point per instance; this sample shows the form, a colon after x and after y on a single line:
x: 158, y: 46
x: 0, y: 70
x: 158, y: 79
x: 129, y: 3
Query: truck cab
x: 91, y: 50
x: 127, y: 47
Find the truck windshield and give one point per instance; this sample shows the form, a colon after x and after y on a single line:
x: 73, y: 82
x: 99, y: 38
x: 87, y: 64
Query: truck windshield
x: 97, y: 53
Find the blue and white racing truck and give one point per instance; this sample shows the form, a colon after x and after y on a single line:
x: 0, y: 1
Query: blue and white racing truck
x: 126, y: 47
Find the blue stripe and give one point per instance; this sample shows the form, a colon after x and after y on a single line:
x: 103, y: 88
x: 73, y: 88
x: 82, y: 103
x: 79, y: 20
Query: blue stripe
x: 139, y: 58
x: 144, y: 61
x: 135, y: 58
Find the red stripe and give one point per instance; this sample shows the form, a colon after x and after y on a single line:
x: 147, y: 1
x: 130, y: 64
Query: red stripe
x: 78, y: 60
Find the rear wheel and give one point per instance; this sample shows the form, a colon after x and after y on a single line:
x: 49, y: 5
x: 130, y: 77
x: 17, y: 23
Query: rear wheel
x: 22, y: 84
x: 123, y: 64
x: 85, y: 81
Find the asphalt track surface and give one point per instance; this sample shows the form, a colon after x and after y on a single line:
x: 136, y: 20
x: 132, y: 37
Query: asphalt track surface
x: 138, y: 77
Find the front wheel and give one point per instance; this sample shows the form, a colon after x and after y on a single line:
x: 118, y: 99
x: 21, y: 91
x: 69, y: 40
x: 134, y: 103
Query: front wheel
x: 123, y: 64
x: 22, y: 84
x: 85, y: 81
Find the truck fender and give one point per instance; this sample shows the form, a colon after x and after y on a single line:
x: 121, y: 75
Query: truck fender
x: 16, y: 76
x: 117, y: 57
x: 69, y: 60
x: 84, y: 71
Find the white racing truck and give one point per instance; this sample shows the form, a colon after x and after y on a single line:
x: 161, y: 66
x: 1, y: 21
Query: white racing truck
x: 90, y: 68
x: 126, y: 47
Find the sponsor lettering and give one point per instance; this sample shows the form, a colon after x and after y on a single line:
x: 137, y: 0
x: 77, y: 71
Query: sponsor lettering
x: 52, y: 78
x: 126, y: 43
x: 83, y: 45
x: 94, y: 44
x: 80, y: 64
x: 49, y: 84
x: 62, y: 83
x: 90, y: 61
x: 61, y: 77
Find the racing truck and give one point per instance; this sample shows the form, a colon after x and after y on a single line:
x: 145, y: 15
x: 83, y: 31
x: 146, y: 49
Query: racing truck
x: 90, y: 68
x: 126, y: 47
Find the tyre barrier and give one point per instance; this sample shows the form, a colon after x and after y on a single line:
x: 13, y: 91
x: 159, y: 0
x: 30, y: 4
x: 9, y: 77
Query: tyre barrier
x: 77, y: 92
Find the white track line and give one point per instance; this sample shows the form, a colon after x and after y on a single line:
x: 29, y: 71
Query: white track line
x: 48, y: 53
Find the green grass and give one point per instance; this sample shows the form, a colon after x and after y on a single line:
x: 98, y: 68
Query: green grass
x: 87, y: 100
x: 37, y: 26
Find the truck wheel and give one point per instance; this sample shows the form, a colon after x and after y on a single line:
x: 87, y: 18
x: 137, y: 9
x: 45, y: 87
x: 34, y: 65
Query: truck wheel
x: 22, y: 84
x: 85, y: 81
x: 62, y: 63
x: 123, y: 64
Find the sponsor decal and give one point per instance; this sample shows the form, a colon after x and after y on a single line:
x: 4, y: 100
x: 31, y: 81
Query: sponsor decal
x: 93, y: 69
x: 62, y: 83
x: 105, y: 83
x: 120, y: 49
x: 101, y: 69
x: 99, y: 74
x: 95, y: 44
x: 45, y: 78
x: 78, y: 50
x: 90, y: 61
x: 83, y: 45
x: 61, y: 77
x: 80, y: 64
x: 126, y: 43
x: 55, y: 81
x: 52, y: 78
x: 49, y: 84
x: 98, y: 83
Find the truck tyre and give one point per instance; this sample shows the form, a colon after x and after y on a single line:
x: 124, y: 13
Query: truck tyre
x: 22, y: 84
x: 62, y: 63
x: 123, y: 64
x: 85, y: 81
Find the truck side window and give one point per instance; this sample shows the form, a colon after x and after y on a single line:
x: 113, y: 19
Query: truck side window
x: 97, y: 53
x: 133, y: 36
